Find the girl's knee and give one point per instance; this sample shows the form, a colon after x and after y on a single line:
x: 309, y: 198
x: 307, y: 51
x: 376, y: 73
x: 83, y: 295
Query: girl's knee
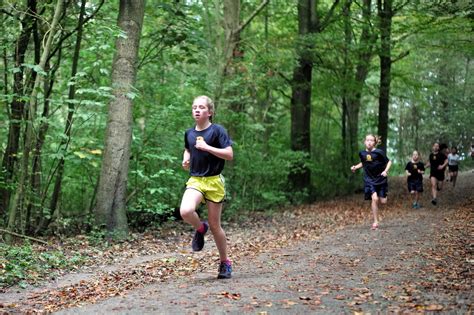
x: 383, y: 200
x: 186, y: 211
x: 214, y: 226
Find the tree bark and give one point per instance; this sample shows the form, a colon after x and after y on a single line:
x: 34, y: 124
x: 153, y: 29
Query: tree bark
x: 385, y: 13
x: 69, y: 120
x: 110, y: 209
x: 18, y: 104
x: 346, y: 86
x: 232, y: 35
x: 232, y: 51
x: 22, y: 192
x: 300, y: 174
x: 309, y: 23
x: 364, y: 56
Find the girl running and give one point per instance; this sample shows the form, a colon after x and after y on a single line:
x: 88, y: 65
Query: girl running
x: 207, y: 147
x: 453, y: 165
x: 415, y: 170
x: 437, y: 164
x: 376, y: 166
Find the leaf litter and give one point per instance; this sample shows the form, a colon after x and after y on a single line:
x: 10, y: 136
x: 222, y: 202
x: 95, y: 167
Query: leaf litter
x: 163, y: 255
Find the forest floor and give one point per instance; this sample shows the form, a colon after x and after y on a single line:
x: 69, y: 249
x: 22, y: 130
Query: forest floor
x: 320, y: 258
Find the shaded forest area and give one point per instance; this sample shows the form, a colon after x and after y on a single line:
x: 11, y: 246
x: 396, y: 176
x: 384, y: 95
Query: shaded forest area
x: 97, y: 94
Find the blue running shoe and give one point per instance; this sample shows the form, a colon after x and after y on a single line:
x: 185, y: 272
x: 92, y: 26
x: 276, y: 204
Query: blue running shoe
x: 198, y: 239
x: 225, y: 270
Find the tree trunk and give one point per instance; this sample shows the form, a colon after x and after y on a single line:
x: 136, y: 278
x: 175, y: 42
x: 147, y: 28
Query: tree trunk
x: 110, y: 209
x: 232, y: 35
x: 309, y: 22
x: 232, y: 51
x: 346, y: 88
x: 22, y: 192
x: 364, y: 56
x: 69, y: 120
x: 17, y: 105
x: 300, y: 174
x: 35, y: 184
x: 385, y: 13
x: 233, y: 54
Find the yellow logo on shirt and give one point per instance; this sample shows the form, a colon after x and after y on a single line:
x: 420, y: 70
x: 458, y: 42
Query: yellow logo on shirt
x: 434, y: 157
x: 415, y: 167
x: 368, y: 158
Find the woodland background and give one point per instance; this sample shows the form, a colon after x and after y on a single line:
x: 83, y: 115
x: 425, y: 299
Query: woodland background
x: 96, y: 96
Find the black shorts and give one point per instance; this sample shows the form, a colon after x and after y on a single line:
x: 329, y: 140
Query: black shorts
x: 415, y: 185
x: 453, y: 168
x: 381, y: 190
x: 438, y: 174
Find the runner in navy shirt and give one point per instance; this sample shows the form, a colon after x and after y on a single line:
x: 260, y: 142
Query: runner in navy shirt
x: 376, y: 166
x: 437, y: 165
x: 415, y: 170
x: 206, y: 148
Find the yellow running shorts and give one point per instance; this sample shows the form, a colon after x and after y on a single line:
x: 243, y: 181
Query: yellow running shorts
x: 212, y: 188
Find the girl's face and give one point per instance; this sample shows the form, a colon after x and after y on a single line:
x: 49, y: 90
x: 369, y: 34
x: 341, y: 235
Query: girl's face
x: 415, y: 156
x: 369, y: 142
x: 454, y: 151
x: 435, y: 147
x: 201, y: 111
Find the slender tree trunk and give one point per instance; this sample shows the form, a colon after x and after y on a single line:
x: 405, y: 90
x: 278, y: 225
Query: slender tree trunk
x: 346, y: 87
x: 232, y: 51
x: 17, y: 105
x: 385, y: 13
x: 232, y: 35
x: 69, y: 120
x: 110, y: 209
x: 5, y: 80
x: 22, y: 192
x: 233, y: 54
x: 364, y: 56
x: 446, y: 85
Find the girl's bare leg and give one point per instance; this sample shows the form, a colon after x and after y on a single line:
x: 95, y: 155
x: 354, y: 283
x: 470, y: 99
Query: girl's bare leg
x: 375, y: 207
x: 189, y: 203
x: 214, y: 217
x: 454, y: 177
x: 434, y: 187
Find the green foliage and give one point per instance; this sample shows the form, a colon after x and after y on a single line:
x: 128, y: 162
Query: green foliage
x: 181, y: 57
x: 23, y: 264
x: 259, y: 179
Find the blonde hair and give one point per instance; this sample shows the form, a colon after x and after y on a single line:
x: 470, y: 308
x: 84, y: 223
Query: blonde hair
x: 209, y: 103
x: 378, y: 139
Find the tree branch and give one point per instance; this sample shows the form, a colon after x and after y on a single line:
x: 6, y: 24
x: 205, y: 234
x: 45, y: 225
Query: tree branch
x: 24, y: 236
x: 67, y: 35
x: 252, y: 16
x: 398, y: 8
x: 284, y: 77
x: 327, y: 18
x: 401, y: 56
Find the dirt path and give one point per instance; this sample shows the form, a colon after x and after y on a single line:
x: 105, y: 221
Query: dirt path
x: 419, y: 260
x: 354, y: 269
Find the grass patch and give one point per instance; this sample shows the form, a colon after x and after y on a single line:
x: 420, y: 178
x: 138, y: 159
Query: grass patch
x: 25, y: 264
